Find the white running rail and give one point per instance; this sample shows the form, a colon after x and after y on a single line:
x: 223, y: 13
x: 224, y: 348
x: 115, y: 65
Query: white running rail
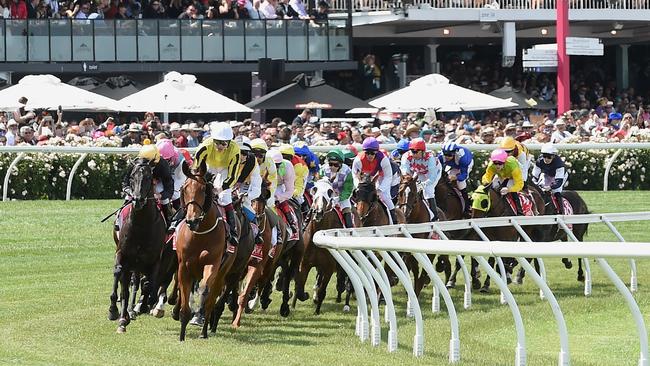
x: 369, y: 274
x: 85, y: 150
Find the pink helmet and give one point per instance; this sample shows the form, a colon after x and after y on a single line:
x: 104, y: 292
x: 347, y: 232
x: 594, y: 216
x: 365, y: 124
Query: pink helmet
x: 499, y: 156
x: 168, y: 151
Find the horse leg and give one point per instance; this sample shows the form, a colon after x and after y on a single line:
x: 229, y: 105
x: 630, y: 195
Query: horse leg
x: 265, y: 295
x: 340, y: 283
x: 451, y: 279
x: 214, y: 316
x: 134, y: 306
x: 581, y: 275
x: 476, y: 275
x: 117, y: 273
x: 322, y: 290
x: 146, y: 286
x: 199, y: 315
x: 185, y: 288
x: 124, y: 316
x: 301, y: 278
x: 348, y: 294
x: 252, y: 275
x: 486, y: 284
x: 567, y: 263
x: 173, y: 297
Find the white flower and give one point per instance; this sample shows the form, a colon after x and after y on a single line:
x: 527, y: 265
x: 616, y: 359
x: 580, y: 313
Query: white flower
x: 53, y: 179
x: 62, y: 174
x: 92, y: 165
x: 24, y: 193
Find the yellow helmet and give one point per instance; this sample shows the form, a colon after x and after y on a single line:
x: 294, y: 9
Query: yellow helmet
x: 146, y: 142
x: 259, y: 144
x: 286, y: 149
x: 508, y: 143
x: 149, y: 152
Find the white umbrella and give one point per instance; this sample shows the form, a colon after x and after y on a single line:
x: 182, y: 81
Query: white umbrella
x: 48, y: 92
x: 435, y: 92
x: 180, y: 94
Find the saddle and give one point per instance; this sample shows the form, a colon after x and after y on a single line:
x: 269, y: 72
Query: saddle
x: 568, y: 209
x: 458, y: 194
x: 339, y: 213
x: 292, y: 207
x: 527, y: 205
x: 124, y: 213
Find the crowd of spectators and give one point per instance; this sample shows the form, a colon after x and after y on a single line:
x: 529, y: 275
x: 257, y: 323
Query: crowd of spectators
x: 164, y: 9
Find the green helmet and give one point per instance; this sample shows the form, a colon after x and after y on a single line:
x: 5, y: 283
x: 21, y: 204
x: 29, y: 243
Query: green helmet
x: 348, y: 154
x: 336, y: 154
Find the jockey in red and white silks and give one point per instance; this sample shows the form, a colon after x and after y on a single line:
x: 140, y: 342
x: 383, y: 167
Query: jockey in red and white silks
x: 372, y: 162
x: 423, y: 164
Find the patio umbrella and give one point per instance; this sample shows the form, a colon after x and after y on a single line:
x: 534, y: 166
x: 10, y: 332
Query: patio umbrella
x: 436, y: 93
x: 307, y: 93
x: 117, y: 87
x: 48, y: 92
x: 520, y: 99
x: 180, y: 94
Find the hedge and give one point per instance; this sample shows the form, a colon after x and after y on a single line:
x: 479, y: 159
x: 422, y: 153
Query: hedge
x: 44, y: 176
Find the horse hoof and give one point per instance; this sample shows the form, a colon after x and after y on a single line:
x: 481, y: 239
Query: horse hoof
x: 113, y: 314
x: 484, y: 290
x: 581, y: 278
x: 519, y: 280
x: 197, y: 320
x: 133, y: 315
x: 440, y: 266
x: 176, y: 315
x: 304, y: 296
x: 346, y: 308
x: 158, y: 313
x: 284, y: 310
x: 121, y: 329
x: 567, y: 263
x: 138, y: 308
x: 338, y: 299
x: 476, y: 284
x: 451, y: 284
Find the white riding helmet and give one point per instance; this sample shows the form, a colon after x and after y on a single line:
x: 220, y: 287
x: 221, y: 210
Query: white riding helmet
x: 244, y: 143
x: 548, y: 148
x: 221, y: 131
x: 275, y: 155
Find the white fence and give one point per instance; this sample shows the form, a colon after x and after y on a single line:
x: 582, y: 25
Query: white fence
x: 84, y: 151
x: 354, y: 250
x: 381, y: 5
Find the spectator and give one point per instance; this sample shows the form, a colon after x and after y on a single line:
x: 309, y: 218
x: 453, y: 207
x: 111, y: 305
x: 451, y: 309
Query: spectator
x: 21, y: 115
x: 155, y: 10
x: 267, y: 9
x: 321, y: 14
x: 133, y: 136
x: 32, y: 6
x: 27, y: 135
x: 174, y: 9
x: 189, y: 13
x: 193, y: 140
x: 285, y: 11
x: 12, y: 132
x: 370, y: 77
x: 302, y: 118
x: 18, y: 9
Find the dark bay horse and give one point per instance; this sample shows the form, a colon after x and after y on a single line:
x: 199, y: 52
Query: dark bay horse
x: 141, y: 240
x: 200, y: 246
x: 411, y: 201
x: 323, y: 217
x: 487, y: 202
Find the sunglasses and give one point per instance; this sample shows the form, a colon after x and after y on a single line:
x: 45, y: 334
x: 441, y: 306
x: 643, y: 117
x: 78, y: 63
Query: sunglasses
x: 370, y: 152
x: 508, y: 151
x: 448, y: 153
x: 260, y: 155
x: 221, y: 143
x: 547, y: 156
x: 497, y: 163
x: 334, y: 164
x: 414, y: 151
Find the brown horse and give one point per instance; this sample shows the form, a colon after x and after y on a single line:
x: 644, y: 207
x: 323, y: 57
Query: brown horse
x: 140, y: 243
x: 371, y: 211
x: 411, y: 201
x: 200, y: 246
x: 487, y: 202
x: 324, y: 217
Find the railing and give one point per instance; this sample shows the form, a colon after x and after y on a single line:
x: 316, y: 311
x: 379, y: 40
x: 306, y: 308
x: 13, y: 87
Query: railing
x: 156, y: 40
x: 380, y: 5
x: 355, y: 250
x: 84, y: 151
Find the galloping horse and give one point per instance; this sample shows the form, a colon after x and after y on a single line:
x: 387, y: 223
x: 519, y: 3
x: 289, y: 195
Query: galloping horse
x: 141, y: 239
x: 324, y: 216
x: 200, y: 246
x: 411, y: 202
x: 371, y: 211
x: 488, y: 202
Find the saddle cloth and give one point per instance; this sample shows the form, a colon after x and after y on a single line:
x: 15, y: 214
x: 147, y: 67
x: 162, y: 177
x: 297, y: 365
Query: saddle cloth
x: 568, y: 209
x: 526, y: 203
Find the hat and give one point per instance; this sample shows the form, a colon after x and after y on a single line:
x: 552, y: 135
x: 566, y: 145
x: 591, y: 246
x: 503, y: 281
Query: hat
x: 386, y: 126
x: 174, y: 127
x: 342, y: 135
x: 281, y: 124
x: 375, y: 129
x: 3, y: 127
x: 613, y: 116
x: 12, y: 122
x: 364, y: 123
x: 234, y: 124
x: 396, y: 56
x: 185, y: 127
x: 487, y: 130
x: 548, y: 123
x: 526, y: 124
x: 194, y: 127
x: 559, y: 122
x: 510, y: 126
x: 412, y: 128
x: 134, y: 127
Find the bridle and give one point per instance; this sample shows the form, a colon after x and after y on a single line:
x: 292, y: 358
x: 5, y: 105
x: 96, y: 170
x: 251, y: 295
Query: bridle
x: 149, y: 196
x: 408, y: 205
x: 203, y: 208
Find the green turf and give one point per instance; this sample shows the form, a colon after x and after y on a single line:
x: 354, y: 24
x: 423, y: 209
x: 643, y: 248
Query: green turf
x: 56, y: 273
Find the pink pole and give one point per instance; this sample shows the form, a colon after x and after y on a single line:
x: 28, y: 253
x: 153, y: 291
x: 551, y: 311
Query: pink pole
x: 563, y: 82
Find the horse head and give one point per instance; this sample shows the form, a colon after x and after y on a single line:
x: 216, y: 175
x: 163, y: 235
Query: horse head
x: 322, y: 194
x: 487, y: 201
x: 196, y: 194
x: 141, y: 183
x: 259, y: 203
x: 408, y: 194
x: 367, y: 197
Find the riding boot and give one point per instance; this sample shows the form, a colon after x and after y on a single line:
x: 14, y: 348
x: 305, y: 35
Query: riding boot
x: 465, y: 195
x: 292, y: 224
x: 434, y: 207
x: 168, y: 213
x: 347, y: 217
x: 559, y: 203
x: 393, y: 216
x: 515, y: 198
x: 232, y: 223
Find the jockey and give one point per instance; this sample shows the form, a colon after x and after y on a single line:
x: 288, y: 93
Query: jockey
x: 222, y: 157
x: 520, y: 152
x: 504, y: 169
x: 175, y: 158
x: 311, y: 160
x: 397, y: 176
x: 300, y: 169
x: 550, y: 175
x: 424, y: 165
x: 285, y: 189
x: 267, y: 168
x: 249, y: 187
x: 340, y: 175
x: 459, y: 160
x: 372, y: 162
x: 161, y: 172
x: 401, y: 149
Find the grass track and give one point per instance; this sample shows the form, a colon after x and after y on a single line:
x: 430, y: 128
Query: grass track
x: 56, y: 272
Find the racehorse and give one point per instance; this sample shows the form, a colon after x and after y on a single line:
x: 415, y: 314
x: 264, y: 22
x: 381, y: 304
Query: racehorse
x: 488, y: 202
x: 324, y: 216
x: 554, y: 232
x: 141, y: 239
x: 259, y: 271
x: 200, y: 246
x: 372, y: 212
x: 411, y: 201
